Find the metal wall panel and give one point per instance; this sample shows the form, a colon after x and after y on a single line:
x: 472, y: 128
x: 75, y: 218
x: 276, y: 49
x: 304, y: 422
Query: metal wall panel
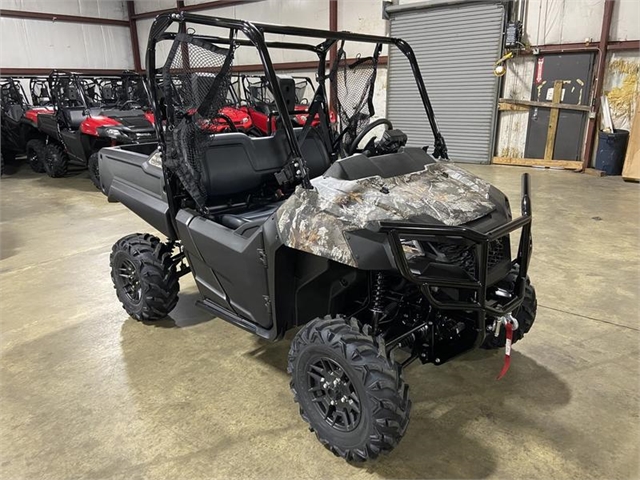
x: 44, y: 44
x: 301, y: 13
x: 456, y: 47
x: 88, y: 8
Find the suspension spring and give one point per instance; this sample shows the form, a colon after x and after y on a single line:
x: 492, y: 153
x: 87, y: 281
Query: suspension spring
x: 377, y: 305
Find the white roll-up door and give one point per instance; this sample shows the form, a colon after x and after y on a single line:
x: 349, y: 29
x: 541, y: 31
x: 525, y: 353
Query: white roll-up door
x: 456, y: 47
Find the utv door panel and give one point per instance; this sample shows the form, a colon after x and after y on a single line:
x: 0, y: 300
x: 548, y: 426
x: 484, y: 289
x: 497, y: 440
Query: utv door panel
x: 235, y: 263
x: 49, y: 125
x: 76, y: 143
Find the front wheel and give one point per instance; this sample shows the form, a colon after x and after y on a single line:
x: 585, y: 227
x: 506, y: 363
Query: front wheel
x: 349, y: 391
x: 144, y: 276
x: 36, y: 153
x: 56, y: 161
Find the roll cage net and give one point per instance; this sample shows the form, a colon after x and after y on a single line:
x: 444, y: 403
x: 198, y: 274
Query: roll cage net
x: 66, y: 90
x: 353, y: 86
x: 12, y: 93
x: 129, y: 88
x: 39, y: 89
x: 196, y: 79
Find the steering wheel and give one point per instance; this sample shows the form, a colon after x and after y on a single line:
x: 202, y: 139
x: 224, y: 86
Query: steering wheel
x: 227, y: 120
x: 356, y: 141
x: 129, y: 104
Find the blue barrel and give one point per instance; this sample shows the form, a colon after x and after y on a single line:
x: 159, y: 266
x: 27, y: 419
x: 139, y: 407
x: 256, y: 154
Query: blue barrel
x: 612, y: 148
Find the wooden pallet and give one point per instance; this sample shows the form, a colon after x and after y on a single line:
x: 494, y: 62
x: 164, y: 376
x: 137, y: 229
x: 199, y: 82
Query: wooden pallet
x: 538, y: 162
x: 552, y: 130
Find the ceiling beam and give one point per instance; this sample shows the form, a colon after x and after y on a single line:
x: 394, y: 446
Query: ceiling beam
x: 196, y: 7
x: 56, y: 17
x: 619, y: 46
x: 32, y: 72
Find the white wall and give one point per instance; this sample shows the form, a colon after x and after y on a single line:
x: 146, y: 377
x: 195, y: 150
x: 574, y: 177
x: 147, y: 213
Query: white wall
x: 574, y: 21
x: 88, y: 8
x: 48, y: 44
x: 308, y: 13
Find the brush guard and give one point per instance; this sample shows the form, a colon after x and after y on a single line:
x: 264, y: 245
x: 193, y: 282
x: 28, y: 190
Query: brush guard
x: 479, y: 304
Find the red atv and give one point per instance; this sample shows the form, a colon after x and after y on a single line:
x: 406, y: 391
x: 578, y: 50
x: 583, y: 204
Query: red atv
x: 19, y: 124
x: 230, y: 118
x: 82, y: 126
x: 261, y: 105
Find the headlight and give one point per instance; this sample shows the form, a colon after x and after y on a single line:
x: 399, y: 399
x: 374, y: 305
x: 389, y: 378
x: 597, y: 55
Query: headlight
x: 114, y: 133
x: 412, y: 249
x: 245, y: 120
x: 111, y: 132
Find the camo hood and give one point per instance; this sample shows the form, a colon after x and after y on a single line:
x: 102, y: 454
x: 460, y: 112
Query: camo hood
x: 316, y: 220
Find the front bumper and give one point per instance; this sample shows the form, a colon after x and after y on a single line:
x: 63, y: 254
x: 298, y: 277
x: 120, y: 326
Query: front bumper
x: 479, y: 301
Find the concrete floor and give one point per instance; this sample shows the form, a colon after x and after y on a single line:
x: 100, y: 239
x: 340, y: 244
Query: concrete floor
x: 87, y: 392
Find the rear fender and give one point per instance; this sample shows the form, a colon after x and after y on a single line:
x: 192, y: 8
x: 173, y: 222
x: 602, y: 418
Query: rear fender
x: 127, y: 176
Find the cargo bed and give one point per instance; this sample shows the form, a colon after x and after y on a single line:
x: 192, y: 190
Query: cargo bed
x: 132, y: 175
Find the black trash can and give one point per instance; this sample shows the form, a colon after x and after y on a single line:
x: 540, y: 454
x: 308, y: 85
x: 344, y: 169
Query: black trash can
x: 612, y: 148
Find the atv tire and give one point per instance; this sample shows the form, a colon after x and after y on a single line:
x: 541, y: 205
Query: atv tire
x: 336, y: 360
x: 525, y: 314
x: 144, y: 276
x: 94, y: 171
x: 56, y: 161
x: 36, y: 153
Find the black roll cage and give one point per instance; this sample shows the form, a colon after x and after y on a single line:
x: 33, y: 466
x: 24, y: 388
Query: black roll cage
x: 14, y: 89
x: 74, y: 79
x: 255, y: 33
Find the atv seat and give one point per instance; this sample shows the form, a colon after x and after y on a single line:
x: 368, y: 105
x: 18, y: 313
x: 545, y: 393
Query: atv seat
x: 74, y: 116
x: 263, y: 108
x: 259, y: 216
x: 14, y: 112
x: 236, y: 165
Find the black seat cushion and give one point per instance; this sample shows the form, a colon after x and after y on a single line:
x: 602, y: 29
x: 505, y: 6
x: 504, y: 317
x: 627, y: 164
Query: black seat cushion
x: 258, y: 215
x: 74, y: 116
x: 236, y: 164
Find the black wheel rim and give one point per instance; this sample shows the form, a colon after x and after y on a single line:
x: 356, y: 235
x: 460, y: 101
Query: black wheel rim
x: 129, y: 280
x: 333, y: 394
x: 33, y: 158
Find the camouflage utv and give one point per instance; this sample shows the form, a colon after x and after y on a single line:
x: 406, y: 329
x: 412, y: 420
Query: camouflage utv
x: 377, y: 252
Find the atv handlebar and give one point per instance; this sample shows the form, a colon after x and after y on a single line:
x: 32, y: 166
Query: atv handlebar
x: 397, y: 232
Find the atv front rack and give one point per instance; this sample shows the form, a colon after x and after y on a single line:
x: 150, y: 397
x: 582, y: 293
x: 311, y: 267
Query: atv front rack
x: 479, y: 302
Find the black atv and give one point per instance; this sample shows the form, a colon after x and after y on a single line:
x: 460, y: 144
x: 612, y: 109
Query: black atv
x: 81, y: 125
x: 19, y: 124
x: 380, y: 257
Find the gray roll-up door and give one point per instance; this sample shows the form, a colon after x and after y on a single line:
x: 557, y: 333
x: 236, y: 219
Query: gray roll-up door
x: 456, y: 47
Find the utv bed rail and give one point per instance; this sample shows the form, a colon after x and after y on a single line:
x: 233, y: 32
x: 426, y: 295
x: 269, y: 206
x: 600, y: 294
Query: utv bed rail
x: 398, y: 231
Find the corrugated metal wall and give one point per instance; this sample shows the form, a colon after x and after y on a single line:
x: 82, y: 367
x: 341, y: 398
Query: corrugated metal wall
x: 301, y: 13
x: 47, y: 44
x: 456, y: 48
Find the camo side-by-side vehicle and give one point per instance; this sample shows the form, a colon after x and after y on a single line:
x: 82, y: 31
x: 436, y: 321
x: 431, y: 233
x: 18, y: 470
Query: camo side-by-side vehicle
x: 378, y: 252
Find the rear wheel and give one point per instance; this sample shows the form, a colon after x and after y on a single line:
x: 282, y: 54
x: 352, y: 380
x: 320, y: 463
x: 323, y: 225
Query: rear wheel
x: 56, y: 161
x: 94, y: 171
x: 350, y: 393
x: 144, y: 276
x: 36, y: 153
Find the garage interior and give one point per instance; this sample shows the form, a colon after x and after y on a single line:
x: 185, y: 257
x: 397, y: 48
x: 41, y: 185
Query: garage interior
x: 88, y: 392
